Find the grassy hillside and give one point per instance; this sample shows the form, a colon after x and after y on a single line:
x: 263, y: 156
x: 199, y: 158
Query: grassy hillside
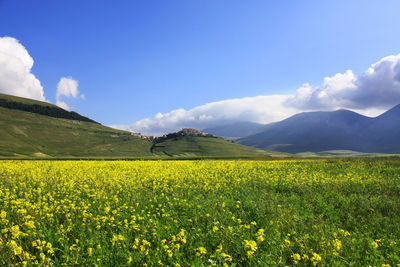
x: 38, y: 107
x: 35, y: 129
x: 27, y: 101
x: 26, y: 134
x: 205, y: 146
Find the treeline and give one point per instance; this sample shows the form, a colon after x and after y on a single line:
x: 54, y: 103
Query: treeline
x: 55, y: 112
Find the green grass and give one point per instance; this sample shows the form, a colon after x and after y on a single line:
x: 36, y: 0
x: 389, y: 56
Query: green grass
x: 330, y: 212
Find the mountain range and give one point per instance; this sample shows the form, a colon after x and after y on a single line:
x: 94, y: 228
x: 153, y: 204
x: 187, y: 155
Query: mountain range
x: 330, y: 130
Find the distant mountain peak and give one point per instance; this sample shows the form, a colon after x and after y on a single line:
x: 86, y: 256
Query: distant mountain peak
x: 236, y: 129
x: 391, y: 112
x: 331, y: 130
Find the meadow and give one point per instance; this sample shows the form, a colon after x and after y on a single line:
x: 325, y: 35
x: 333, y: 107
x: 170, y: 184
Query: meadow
x: 325, y: 212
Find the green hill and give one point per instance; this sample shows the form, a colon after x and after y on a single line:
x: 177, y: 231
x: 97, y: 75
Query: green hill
x: 182, y: 144
x: 43, y: 108
x: 29, y: 134
x: 34, y: 129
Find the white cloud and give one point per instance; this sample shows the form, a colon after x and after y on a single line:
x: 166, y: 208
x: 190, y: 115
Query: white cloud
x: 67, y: 87
x: 377, y: 88
x: 263, y: 109
x: 15, y: 71
x: 370, y: 93
x: 16, y: 77
x: 63, y: 105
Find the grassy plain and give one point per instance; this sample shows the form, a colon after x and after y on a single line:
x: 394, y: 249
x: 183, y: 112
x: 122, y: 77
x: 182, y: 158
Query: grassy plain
x: 330, y: 212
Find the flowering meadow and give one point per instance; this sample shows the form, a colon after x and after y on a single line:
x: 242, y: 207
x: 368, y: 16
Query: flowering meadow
x: 330, y: 212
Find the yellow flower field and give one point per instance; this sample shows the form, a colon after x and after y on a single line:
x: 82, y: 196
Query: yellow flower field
x: 200, y: 213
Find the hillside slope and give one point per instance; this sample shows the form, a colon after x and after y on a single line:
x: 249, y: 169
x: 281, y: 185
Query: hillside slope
x: 33, y: 135
x: 28, y: 134
x: 38, y: 107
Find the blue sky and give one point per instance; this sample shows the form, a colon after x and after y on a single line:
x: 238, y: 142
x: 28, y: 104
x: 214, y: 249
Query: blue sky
x: 134, y: 59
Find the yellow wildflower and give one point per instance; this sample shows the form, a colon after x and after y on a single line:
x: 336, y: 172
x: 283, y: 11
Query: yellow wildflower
x: 296, y: 258
x: 316, y: 258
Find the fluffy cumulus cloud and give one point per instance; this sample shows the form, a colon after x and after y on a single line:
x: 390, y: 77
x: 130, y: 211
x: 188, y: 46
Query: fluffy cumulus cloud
x: 15, y: 71
x: 377, y: 88
x: 369, y: 93
x: 67, y: 87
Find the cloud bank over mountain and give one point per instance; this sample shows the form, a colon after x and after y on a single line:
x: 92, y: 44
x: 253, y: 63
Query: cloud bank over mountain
x: 258, y: 109
x: 377, y: 87
x: 15, y: 71
x: 369, y: 93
